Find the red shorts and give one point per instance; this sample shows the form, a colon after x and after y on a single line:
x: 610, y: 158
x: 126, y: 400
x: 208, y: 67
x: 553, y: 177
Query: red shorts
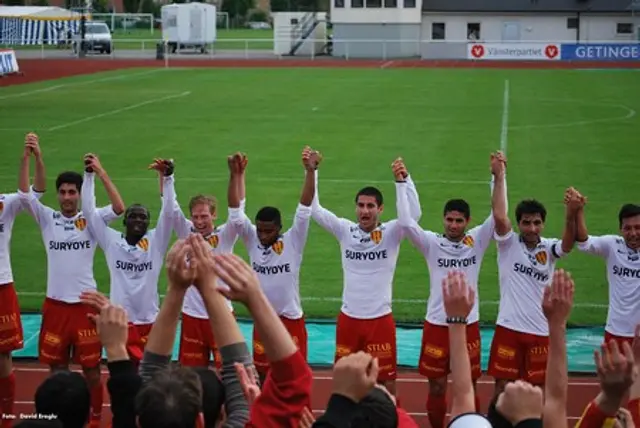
x: 197, y: 343
x: 67, y: 331
x: 434, y: 352
x: 298, y: 331
x: 11, y: 334
x: 137, y: 340
x: 608, y: 337
x: 516, y: 355
x: 375, y: 336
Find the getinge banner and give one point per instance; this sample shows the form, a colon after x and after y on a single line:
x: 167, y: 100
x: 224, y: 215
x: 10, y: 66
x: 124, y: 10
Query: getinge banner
x: 601, y: 52
x: 8, y: 62
x: 513, y: 51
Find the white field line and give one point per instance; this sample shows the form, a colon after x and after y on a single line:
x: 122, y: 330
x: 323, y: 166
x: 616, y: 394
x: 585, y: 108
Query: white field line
x: 85, y: 82
x: 505, y: 119
x: 387, y: 64
x: 282, y: 180
x: 120, y: 110
x: 339, y: 299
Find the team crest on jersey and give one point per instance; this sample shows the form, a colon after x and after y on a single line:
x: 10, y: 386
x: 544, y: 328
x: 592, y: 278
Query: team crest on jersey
x: 1, y: 207
x: 278, y: 247
x: 80, y: 224
x: 468, y: 241
x: 541, y: 257
x: 143, y: 244
x: 213, y: 241
x: 376, y: 236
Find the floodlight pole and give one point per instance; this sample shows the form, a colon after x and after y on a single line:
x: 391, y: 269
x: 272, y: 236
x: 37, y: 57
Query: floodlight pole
x: 83, y: 31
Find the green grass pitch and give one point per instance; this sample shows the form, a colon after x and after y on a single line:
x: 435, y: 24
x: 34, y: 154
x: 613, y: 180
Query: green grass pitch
x: 565, y: 128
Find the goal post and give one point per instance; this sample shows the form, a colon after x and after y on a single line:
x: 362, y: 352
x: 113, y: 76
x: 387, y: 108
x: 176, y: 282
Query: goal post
x: 222, y: 20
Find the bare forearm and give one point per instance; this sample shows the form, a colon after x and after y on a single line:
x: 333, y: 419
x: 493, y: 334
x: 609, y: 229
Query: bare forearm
x: 112, y: 192
x: 164, y: 329
x: 462, y: 386
x: 40, y: 178
x: 582, y: 233
x: 223, y: 325
x: 277, y: 342
x: 569, y: 233
x: 308, y: 190
x: 23, y: 177
x: 557, y: 380
x: 233, y: 197
x: 242, y: 188
x: 499, y: 205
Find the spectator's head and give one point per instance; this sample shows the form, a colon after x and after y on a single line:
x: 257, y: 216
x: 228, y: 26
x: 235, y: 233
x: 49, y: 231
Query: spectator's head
x: 457, y: 214
x: 369, y: 207
x: 65, y: 394
x: 629, y: 219
x: 68, y: 187
x: 212, y: 396
x: 376, y: 410
x: 172, y: 399
x: 531, y: 215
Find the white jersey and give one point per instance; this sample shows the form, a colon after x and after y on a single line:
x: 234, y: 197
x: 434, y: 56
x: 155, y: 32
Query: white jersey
x: 277, y: 266
x: 623, y: 275
x: 70, y: 247
x: 134, y: 269
x: 10, y: 207
x: 368, y: 260
x: 524, y: 274
x: 443, y: 255
x: 222, y: 240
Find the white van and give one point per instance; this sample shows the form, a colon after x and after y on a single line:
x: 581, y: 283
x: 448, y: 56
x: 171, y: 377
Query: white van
x: 97, y: 38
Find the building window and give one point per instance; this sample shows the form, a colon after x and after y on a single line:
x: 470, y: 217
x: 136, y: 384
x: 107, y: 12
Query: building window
x: 624, y: 28
x: 338, y: 3
x: 473, y: 31
x: 374, y: 3
x: 438, y: 31
x: 390, y: 3
x: 357, y: 3
x: 573, y: 23
x: 409, y: 4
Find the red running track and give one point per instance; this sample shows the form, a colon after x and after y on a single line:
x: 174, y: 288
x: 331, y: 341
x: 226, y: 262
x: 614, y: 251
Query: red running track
x: 412, y: 392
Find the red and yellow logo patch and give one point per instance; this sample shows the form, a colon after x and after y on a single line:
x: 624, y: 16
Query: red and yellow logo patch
x: 278, y: 247
x: 143, y: 244
x: 468, y: 241
x: 376, y: 236
x: 213, y: 241
x: 80, y: 224
x: 541, y: 257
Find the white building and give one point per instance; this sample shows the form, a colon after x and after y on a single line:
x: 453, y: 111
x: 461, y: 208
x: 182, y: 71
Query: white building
x: 443, y: 28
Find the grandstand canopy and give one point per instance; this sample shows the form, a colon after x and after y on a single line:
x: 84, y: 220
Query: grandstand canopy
x: 37, y: 12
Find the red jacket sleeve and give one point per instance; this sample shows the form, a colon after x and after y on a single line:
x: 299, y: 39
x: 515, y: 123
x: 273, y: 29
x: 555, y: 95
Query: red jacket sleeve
x: 593, y: 417
x: 634, y: 409
x: 285, y: 394
x: 404, y: 420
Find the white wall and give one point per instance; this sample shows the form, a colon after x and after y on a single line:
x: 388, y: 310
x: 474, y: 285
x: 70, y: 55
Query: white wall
x: 379, y: 15
x: 531, y: 28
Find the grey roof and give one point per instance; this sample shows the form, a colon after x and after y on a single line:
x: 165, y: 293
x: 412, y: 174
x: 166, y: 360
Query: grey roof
x: 531, y: 6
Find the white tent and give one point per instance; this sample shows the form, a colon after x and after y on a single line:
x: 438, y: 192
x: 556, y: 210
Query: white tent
x: 35, y: 25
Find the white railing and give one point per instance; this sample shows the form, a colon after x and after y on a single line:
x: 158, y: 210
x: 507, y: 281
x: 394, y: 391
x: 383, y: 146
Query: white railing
x: 264, y: 48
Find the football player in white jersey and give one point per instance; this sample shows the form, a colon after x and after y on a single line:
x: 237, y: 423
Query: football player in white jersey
x: 70, y: 247
x: 622, y: 255
x: 197, y: 343
x: 369, y: 250
x: 11, y: 333
x: 526, y: 262
x: 454, y: 250
x: 276, y: 257
x: 135, y: 257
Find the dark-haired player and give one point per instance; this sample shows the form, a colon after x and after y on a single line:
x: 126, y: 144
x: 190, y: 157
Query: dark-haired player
x: 622, y: 255
x: 135, y: 257
x: 70, y: 250
x: 369, y: 250
x: 460, y: 250
x: 197, y: 342
x: 276, y: 257
x: 526, y: 262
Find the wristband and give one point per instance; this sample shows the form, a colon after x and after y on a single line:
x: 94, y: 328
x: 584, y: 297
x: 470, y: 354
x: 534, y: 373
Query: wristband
x: 456, y: 320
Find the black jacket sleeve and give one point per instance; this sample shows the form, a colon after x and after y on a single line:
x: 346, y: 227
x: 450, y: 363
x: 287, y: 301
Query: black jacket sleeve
x: 340, y: 411
x: 123, y: 385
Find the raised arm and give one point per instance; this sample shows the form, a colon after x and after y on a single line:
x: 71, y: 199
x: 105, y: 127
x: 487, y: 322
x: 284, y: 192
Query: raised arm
x: 325, y: 218
x: 556, y: 305
x: 595, y: 245
x: 164, y: 227
x: 412, y: 195
x: 300, y: 228
x: 95, y: 223
x: 117, y: 204
x: 572, y: 206
x: 414, y: 232
x: 499, y: 204
x: 32, y: 148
